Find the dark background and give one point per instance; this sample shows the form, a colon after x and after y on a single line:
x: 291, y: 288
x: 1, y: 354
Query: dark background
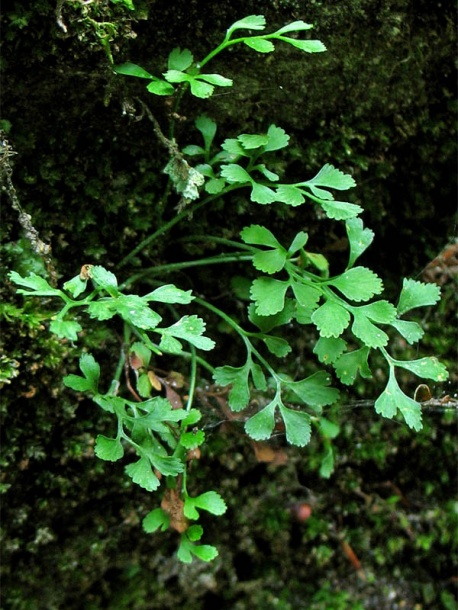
x: 380, y: 104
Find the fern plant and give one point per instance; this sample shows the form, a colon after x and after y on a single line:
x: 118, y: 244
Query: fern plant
x: 294, y: 286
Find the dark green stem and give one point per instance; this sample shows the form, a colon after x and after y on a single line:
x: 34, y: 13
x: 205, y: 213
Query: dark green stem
x: 176, y: 219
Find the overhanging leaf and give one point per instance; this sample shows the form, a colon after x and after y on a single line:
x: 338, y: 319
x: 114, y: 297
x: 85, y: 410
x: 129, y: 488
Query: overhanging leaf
x: 331, y: 319
x: 180, y: 59
x: 191, y: 329
x: 250, y: 142
x: 207, y: 128
x: 260, y: 45
x: 314, y: 390
x: 340, y: 210
x: 348, y: 365
x: 259, y: 379
x: 307, y: 296
x: 328, y: 428
x: 142, y: 474
x: 192, y: 417
x: 291, y: 195
x: 277, y: 346
x: 298, y: 242
x: 308, y: 46
x: 269, y: 261
x: 215, y: 186
x: 252, y: 22
x: 359, y: 237
x: 135, y: 309
x: 235, y: 174
x: 144, y: 385
x: 267, y: 323
x: 101, y: 310
x: 239, y: 394
x: 215, y: 79
x: 201, y: 90
x: 260, y: 426
x: 319, y: 261
x: 159, y: 409
x: 130, y: 69
x: 411, y: 331
x: 382, y: 312
x: 368, y: 333
x: 169, y: 294
x: 76, y: 286
x: 393, y: 398
x: 271, y: 176
x: 160, y: 87
x: 234, y: 148
x: 156, y: 519
x: 358, y: 284
x: 90, y: 369
x: 327, y: 463
x: 295, y: 26
x: 36, y: 284
x: 260, y: 236
x: 333, y: 178
x: 177, y: 76
x: 109, y: 449
x: 204, y: 552
x: 91, y: 372
x: 210, y: 501
x: 262, y: 194
x: 193, y: 439
x: 170, y: 345
x: 66, y: 329
x: 269, y: 295
x: 105, y: 279
x: 166, y: 464
x: 427, y: 368
x: 277, y: 138
x: 297, y: 426
x: 184, y: 550
x: 328, y: 349
x: 417, y: 294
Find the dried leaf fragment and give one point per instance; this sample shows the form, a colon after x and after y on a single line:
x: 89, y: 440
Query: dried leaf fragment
x: 174, y: 505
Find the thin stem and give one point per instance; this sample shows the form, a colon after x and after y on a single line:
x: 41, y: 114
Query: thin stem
x: 163, y: 229
x: 117, y: 375
x: 244, y: 335
x: 304, y: 276
x: 213, y: 53
x: 215, y: 260
x: 192, y: 378
x: 217, y: 240
x: 222, y: 315
x: 264, y: 362
x: 159, y: 232
x: 199, y: 360
x: 224, y: 45
x: 391, y: 361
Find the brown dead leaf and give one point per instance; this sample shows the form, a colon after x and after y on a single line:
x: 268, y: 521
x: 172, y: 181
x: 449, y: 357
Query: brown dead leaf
x: 353, y: 559
x: 135, y: 361
x: 174, y: 505
x: 422, y: 393
x: 266, y: 453
x: 175, y: 379
x: 173, y: 397
x: 31, y: 393
x: 154, y: 381
x: 193, y: 454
